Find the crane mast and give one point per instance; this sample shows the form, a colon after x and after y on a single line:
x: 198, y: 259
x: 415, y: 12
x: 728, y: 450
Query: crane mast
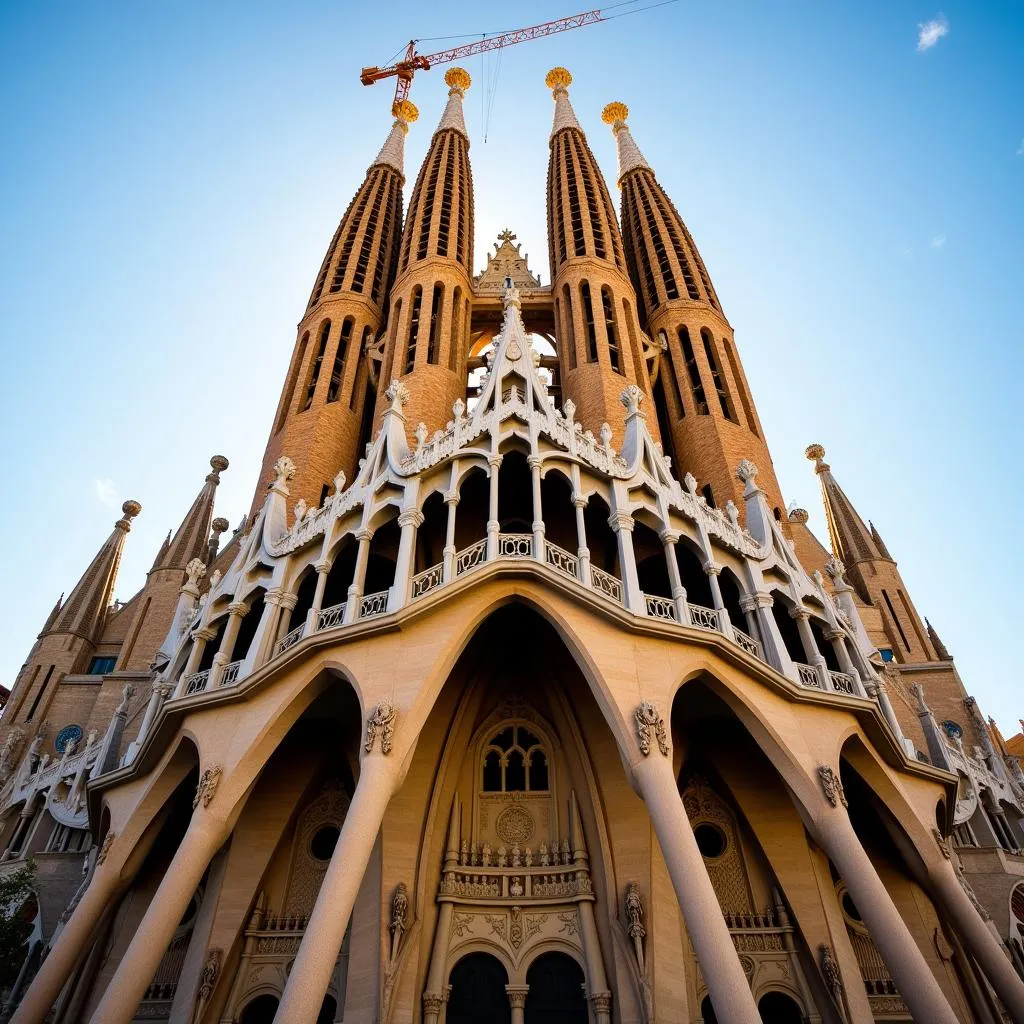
x: 412, y: 62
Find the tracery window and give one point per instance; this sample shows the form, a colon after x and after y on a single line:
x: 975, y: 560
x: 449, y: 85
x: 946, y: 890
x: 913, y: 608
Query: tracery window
x: 514, y: 762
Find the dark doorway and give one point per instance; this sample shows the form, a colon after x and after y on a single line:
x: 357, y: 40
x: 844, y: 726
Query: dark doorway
x: 260, y: 1011
x: 556, y: 991
x: 707, y: 1011
x: 478, y: 991
x: 777, y: 1008
x: 328, y: 1011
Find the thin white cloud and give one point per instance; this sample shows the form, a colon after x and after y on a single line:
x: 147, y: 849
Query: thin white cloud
x: 930, y: 32
x: 938, y: 241
x: 106, y: 491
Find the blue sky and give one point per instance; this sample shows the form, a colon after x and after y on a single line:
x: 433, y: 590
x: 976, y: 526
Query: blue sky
x: 173, y: 173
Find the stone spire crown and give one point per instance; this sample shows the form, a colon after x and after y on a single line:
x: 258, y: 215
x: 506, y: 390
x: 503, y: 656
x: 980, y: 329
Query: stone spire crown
x: 458, y: 81
x: 392, y: 153
x: 190, y: 540
x: 85, y: 611
x: 630, y: 157
x: 558, y: 81
x: 852, y: 540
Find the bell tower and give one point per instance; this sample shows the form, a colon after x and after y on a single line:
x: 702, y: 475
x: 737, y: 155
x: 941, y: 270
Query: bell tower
x: 322, y: 417
x: 428, y: 325
x: 600, y: 346
x: 709, y: 423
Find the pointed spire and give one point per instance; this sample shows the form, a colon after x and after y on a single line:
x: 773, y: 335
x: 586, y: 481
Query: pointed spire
x: 630, y: 157
x: 558, y: 81
x: 161, y: 554
x: 84, y: 612
x: 852, y: 541
x: 191, y: 539
x: 940, y: 647
x: 52, y: 617
x: 392, y: 153
x: 458, y: 81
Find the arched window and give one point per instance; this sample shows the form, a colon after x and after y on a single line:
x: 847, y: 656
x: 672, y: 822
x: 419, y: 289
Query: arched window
x: 293, y: 379
x: 456, y: 339
x: 338, y: 370
x: 433, y: 337
x: 514, y: 762
x: 694, y: 372
x: 609, y: 324
x: 588, y: 320
x: 569, y: 344
x: 748, y: 409
x: 357, y: 383
x: 414, y: 328
x: 314, y: 370
x: 716, y: 377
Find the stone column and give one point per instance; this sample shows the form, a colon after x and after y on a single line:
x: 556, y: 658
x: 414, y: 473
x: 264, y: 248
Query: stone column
x: 25, y: 817
x: 748, y: 605
x: 876, y: 690
x: 582, y: 551
x: 772, y: 644
x: 410, y: 521
x: 597, y: 981
x: 236, y: 612
x: 914, y: 979
x: 811, y: 652
x: 538, y: 509
x: 206, y: 833
x: 323, y: 568
x: 264, y: 642
x: 517, y: 1000
x: 355, y: 590
x: 288, y: 603
x: 702, y: 914
x: 200, y: 639
x: 433, y: 997
x: 76, y: 934
x: 712, y: 571
x: 669, y: 539
x: 837, y: 638
x: 493, y: 523
x: 311, y: 973
x: 451, y: 499
x: 161, y: 689
x: 622, y: 523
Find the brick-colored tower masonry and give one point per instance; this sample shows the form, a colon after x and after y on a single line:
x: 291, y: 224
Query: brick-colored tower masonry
x: 322, y: 419
x: 72, y: 632
x: 428, y: 325
x: 703, y: 397
x: 600, y: 347
x: 871, y: 570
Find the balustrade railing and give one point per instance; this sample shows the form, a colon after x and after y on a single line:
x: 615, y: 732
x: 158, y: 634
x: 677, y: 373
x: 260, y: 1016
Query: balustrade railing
x: 428, y: 580
x: 331, y: 617
x: 606, y: 583
x: 660, y: 607
x: 747, y: 642
x: 471, y: 557
x: 196, y: 682
x: 704, y: 618
x: 560, y: 559
x: 843, y: 682
x: 230, y: 673
x: 373, y: 604
x: 808, y: 675
x: 515, y: 545
x: 289, y: 639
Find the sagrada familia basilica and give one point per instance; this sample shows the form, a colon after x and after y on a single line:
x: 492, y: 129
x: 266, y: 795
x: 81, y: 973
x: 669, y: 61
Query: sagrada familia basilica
x: 519, y: 696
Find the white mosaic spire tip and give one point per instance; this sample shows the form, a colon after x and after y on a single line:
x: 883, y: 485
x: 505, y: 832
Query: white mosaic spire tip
x: 558, y: 81
x: 458, y: 81
x: 630, y: 157
x: 392, y: 153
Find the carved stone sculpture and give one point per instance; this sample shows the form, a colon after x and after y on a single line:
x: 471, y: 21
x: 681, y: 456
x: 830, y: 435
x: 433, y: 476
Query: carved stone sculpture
x: 382, y: 721
x: 832, y: 785
x: 207, y: 787
x: 634, y: 908
x: 399, y: 911
x: 209, y: 975
x: 648, y: 719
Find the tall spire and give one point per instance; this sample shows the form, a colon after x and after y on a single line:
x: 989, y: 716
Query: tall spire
x: 601, y: 350
x: 85, y: 611
x: 630, y: 157
x: 852, y: 541
x: 319, y: 421
x: 192, y: 537
x: 429, y: 316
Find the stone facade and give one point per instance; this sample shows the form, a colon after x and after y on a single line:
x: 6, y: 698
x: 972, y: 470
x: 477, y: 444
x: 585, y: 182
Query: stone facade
x: 495, y: 709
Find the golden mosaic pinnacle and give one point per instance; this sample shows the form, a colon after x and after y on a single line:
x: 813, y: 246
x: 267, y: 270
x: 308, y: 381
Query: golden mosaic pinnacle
x: 457, y: 78
x: 558, y: 77
x: 614, y: 112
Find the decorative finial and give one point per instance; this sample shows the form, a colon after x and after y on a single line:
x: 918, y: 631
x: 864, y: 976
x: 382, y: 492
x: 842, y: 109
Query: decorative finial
x: 219, y: 525
x: 407, y: 111
x: 615, y: 113
x: 131, y: 509
x: 218, y: 464
x: 457, y: 78
x: 558, y: 78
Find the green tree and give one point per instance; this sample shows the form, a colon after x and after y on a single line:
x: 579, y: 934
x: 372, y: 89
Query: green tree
x: 18, y: 909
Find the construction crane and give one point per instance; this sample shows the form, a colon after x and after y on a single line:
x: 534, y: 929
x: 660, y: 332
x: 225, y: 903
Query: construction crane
x: 412, y: 62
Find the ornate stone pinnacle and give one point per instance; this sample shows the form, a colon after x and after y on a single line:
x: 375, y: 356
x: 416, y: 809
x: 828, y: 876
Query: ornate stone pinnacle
x: 218, y: 464
x: 746, y: 472
x: 131, y: 509
x: 614, y: 112
x: 457, y: 78
x: 195, y: 571
x: 397, y: 394
x: 814, y: 452
x: 407, y: 112
x: 558, y: 78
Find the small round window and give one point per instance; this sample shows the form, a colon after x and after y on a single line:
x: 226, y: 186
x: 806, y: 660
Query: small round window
x: 323, y: 842
x: 710, y: 840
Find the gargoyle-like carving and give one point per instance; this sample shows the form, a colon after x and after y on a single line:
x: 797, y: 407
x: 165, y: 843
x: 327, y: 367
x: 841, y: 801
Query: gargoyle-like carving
x: 634, y: 908
x: 381, y: 720
x: 210, y: 973
x: 647, y: 718
x: 399, y: 911
x: 832, y: 785
x: 208, y: 783
x: 830, y: 972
